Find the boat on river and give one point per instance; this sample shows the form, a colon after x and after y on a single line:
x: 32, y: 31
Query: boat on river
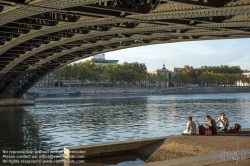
x: 58, y: 93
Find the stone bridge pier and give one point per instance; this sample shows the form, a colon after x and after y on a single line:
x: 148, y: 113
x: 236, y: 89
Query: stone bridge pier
x: 14, y: 101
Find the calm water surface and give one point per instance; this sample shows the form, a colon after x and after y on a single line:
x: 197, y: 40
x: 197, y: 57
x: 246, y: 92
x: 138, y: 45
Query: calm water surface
x: 55, y: 123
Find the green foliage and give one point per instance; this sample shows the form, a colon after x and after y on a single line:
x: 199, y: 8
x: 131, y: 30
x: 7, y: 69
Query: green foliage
x: 162, y: 78
x: 136, y: 72
x: 188, y: 71
x: 126, y: 72
x: 181, y: 76
x: 222, y: 69
x: 222, y: 74
x: 245, y: 79
x: 152, y: 77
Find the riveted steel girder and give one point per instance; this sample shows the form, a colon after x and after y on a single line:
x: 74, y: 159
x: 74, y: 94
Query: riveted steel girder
x: 39, y: 36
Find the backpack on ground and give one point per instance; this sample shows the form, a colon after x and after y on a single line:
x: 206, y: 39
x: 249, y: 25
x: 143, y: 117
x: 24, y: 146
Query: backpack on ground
x: 235, y: 128
x: 201, y: 128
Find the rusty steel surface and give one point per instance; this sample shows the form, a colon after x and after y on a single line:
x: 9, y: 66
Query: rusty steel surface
x: 39, y: 36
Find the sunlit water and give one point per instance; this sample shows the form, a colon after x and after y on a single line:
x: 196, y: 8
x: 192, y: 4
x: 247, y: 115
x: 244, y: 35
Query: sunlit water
x: 55, y: 123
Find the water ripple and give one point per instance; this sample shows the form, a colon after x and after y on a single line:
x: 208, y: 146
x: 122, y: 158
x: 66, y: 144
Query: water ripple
x: 55, y: 123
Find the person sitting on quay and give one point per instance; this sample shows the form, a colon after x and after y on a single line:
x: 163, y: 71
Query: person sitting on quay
x: 224, y: 123
x: 191, y: 127
x: 212, y: 125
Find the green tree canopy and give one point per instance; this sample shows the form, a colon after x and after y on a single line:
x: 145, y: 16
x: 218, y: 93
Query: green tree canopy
x: 181, y: 77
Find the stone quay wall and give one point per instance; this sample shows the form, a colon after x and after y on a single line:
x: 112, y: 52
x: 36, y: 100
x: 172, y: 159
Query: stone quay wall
x: 200, y: 90
x: 151, y: 90
x: 16, y: 102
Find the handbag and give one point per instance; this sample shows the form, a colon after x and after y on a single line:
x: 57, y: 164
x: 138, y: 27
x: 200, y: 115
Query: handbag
x: 201, y: 128
x: 208, y: 132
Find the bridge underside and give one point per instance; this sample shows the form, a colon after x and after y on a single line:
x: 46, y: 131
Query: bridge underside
x: 39, y: 36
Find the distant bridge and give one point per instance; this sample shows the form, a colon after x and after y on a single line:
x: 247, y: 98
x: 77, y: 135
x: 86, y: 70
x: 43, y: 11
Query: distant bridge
x: 39, y: 36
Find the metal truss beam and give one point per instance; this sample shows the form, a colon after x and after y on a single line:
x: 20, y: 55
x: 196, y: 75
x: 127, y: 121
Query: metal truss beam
x: 107, y: 50
x: 157, y: 38
x: 169, y: 33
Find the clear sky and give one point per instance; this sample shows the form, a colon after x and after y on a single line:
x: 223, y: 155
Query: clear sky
x: 232, y: 52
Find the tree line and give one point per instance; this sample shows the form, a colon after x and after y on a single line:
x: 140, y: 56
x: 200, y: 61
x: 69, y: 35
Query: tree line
x: 134, y: 73
x: 223, y: 75
x: 123, y: 74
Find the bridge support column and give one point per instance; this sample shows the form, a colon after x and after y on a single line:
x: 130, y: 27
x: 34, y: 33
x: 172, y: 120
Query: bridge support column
x: 16, y: 102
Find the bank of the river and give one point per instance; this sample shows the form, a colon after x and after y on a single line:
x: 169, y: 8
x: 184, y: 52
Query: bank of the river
x: 181, y: 146
x: 175, y: 148
x: 149, y: 90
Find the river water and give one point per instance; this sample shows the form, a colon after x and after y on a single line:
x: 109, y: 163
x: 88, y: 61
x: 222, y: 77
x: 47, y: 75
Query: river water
x: 55, y: 123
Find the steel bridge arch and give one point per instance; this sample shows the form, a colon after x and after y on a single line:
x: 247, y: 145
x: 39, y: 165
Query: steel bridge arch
x: 117, y: 41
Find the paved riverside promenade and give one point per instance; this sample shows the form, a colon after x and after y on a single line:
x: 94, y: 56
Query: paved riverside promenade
x: 192, y: 150
x: 214, y: 159
x: 225, y: 149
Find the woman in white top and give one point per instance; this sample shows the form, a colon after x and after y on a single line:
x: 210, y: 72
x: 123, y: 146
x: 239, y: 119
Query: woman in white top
x: 191, y: 127
x: 224, y: 123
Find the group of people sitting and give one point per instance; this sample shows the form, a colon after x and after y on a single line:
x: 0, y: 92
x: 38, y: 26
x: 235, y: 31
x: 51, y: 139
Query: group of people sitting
x: 212, y: 125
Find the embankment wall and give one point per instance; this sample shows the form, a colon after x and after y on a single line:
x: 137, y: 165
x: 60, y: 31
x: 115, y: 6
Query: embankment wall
x: 151, y: 90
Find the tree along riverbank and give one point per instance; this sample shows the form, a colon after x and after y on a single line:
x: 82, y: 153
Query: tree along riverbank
x: 149, y: 90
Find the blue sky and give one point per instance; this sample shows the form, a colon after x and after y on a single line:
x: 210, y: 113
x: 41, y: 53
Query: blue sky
x: 232, y: 52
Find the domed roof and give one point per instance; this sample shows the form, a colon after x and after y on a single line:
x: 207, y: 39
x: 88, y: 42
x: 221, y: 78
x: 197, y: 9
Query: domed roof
x: 163, y: 66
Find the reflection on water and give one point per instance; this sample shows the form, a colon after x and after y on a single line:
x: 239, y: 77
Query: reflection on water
x: 18, y: 129
x: 119, y: 160
x: 55, y: 123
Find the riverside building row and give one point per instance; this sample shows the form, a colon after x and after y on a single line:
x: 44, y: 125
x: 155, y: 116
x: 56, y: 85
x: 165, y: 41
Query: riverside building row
x: 50, y: 81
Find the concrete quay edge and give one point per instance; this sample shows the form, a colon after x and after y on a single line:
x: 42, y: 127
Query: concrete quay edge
x: 112, y: 148
x: 126, y: 147
x: 16, y: 102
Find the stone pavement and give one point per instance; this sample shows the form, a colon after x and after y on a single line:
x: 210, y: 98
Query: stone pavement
x: 227, y: 158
